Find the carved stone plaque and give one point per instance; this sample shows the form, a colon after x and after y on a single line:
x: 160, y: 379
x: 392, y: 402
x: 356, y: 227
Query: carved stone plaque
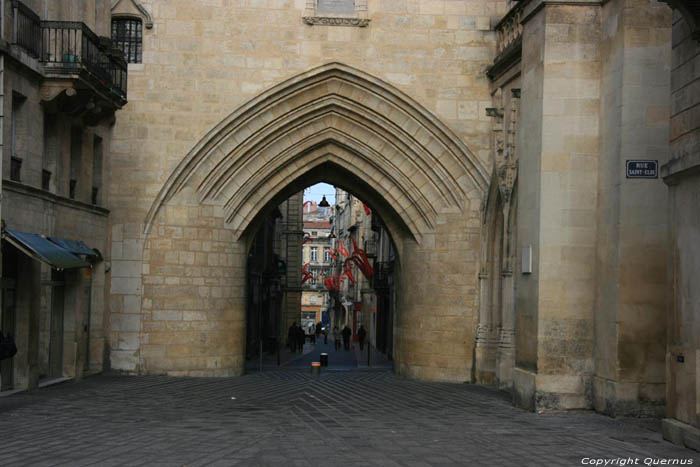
x: 335, y: 7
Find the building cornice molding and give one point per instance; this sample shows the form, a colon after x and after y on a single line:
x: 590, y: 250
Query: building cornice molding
x: 142, y: 10
x: 27, y: 190
x: 336, y: 21
x: 532, y: 7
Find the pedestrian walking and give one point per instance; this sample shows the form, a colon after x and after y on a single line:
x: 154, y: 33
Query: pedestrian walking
x: 346, y: 337
x: 292, y: 337
x: 361, y: 334
x: 325, y: 335
x: 336, y: 338
x: 312, y: 333
x: 301, y: 338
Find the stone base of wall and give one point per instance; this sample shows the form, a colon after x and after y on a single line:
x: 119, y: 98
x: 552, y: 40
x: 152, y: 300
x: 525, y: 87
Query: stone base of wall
x: 524, y: 388
x: 433, y: 373
x: 628, y: 399
x: 681, y: 433
x: 547, y: 393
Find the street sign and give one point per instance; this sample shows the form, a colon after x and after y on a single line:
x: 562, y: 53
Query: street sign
x: 642, y: 169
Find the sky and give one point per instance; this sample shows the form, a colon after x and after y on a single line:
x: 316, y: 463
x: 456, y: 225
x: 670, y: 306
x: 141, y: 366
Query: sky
x: 316, y: 192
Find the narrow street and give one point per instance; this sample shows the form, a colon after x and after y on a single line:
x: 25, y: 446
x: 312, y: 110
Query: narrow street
x: 284, y: 417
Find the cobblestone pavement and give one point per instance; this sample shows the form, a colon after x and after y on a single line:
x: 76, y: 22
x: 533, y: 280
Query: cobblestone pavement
x: 284, y: 417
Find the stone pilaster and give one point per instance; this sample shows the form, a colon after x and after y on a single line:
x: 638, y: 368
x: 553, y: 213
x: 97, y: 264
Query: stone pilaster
x: 630, y: 319
x: 558, y: 147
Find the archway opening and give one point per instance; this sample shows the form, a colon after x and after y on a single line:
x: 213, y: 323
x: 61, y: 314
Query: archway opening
x: 342, y: 126
x: 321, y: 279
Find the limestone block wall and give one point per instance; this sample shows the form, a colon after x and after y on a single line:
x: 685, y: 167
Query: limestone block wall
x: 557, y: 205
x: 632, y: 286
x: 681, y: 175
x: 202, y: 60
x: 528, y: 232
x: 437, y: 308
x: 193, y: 317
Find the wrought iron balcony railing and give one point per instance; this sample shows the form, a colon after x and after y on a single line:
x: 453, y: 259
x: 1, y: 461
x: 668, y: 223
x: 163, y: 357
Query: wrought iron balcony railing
x: 71, y: 47
x: 26, y: 30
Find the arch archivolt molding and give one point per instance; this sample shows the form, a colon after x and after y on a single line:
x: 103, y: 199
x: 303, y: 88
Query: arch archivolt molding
x: 323, y: 150
x: 332, y: 114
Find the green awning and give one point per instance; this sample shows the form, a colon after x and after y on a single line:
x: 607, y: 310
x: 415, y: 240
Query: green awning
x: 39, y: 248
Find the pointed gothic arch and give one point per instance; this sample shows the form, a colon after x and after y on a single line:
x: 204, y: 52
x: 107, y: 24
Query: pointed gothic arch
x: 331, y: 112
x: 336, y: 124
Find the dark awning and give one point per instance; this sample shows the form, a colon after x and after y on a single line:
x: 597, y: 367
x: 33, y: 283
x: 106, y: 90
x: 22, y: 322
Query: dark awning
x: 74, y: 246
x: 39, y: 248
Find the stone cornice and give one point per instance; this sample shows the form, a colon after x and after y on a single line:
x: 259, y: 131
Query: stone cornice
x: 336, y: 21
x: 532, y: 7
x: 505, y: 60
x: 28, y: 190
x: 680, y: 167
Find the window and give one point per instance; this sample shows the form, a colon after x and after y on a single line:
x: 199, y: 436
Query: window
x: 45, y: 180
x: 76, y: 156
x: 51, y: 143
x: 314, y: 233
x: 314, y: 253
x: 127, y: 35
x: 96, y: 169
x: 15, y: 169
x: 17, y: 134
x: 327, y: 255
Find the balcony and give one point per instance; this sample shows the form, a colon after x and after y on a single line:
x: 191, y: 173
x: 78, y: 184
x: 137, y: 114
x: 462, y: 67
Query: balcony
x: 26, y: 31
x: 509, y: 33
x: 70, y: 50
x: 75, y: 62
x: 509, y: 30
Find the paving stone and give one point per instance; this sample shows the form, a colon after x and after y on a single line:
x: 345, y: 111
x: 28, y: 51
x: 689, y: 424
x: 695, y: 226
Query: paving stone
x: 285, y: 417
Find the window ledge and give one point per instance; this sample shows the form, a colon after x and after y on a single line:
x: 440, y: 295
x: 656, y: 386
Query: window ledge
x: 21, y: 188
x: 336, y: 21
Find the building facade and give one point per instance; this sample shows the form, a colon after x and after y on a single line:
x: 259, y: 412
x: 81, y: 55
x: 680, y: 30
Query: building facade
x: 61, y: 82
x: 680, y: 174
x: 317, y: 248
x: 514, y: 154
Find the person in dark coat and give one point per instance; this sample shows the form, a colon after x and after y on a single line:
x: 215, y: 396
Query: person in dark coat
x: 346, y: 337
x: 292, y: 337
x: 336, y: 337
x: 301, y: 338
x: 361, y: 334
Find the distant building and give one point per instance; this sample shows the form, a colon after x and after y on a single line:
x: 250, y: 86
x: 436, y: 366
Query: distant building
x: 317, y: 258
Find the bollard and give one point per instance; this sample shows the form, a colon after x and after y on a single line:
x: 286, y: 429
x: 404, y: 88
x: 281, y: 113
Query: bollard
x: 316, y: 369
x: 324, y: 359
